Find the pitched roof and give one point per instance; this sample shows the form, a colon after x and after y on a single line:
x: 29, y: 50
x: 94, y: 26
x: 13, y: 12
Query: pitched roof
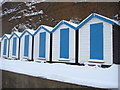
x: 46, y: 28
x: 6, y: 35
x: 18, y: 34
x: 70, y: 24
x: 30, y: 31
x: 95, y: 15
x: 73, y: 24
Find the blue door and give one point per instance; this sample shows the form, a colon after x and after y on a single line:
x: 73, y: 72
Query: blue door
x: 26, y: 46
x: 96, y: 41
x: 64, y: 43
x: 5, y: 47
x: 14, y: 46
x: 42, y: 45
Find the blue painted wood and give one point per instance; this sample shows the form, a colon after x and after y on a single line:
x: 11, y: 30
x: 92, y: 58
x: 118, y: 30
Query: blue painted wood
x: 96, y: 41
x: 39, y: 28
x: 64, y: 43
x: 26, y: 31
x: 26, y: 46
x: 4, y: 37
x: 5, y: 47
x: 105, y: 19
x: 42, y: 44
x: 14, y: 46
x: 63, y: 22
x: 96, y: 16
x: 13, y: 35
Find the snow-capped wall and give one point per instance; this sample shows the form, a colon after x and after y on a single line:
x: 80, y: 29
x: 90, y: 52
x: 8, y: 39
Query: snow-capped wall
x: 81, y: 75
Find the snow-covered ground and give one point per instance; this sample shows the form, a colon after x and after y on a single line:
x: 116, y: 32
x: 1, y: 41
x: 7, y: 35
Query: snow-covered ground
x: 82, y: 75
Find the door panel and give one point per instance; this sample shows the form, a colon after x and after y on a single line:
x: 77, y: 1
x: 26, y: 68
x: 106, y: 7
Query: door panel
x: 64, y: 43
x: 42, y: 45
x: 96, y: 41
x: 5, y: 47
x: 26, y: 46
x: 14, y: 46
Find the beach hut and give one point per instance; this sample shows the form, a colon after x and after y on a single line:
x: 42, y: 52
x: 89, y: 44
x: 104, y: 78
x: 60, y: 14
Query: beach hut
x: 26, y: 45
x: 5, y: 45
x: 42, y: 43
x: 98, y: 40
x: 0, y: 46
x: 14, y: 46
x: 64, y: 42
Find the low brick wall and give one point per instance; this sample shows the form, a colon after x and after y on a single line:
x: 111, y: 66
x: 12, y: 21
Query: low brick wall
x: 15, y: 80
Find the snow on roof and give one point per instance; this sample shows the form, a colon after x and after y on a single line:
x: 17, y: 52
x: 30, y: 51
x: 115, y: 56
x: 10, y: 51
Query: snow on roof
x: 48, y: 27
x: 8, y: 35
x: 71, y: 23
x: 107, y: 18
x: 81, y: 75
x: 30, y: 30
x: 101, y: 17
x: 68, y: 23
x: 18, y: 33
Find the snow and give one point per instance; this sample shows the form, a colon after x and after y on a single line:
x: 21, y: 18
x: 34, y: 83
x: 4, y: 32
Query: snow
x: 33, y: 13
x: 68, y: 22
x: 107, y: 18
x: 63, y: 59
x: 95, y: 60
x: 26, y: 13
x: 9, y: 11
x: 15, y: 17
x: 73, y: 24
x: 82, y: 75
x: 18, y: 33
x: 100, y: 16
x: 31, y: 31
x: 48, y: 27
x: 33, y: 3
x: 8, y: 35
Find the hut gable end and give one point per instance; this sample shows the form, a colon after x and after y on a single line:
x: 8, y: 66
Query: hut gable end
x: 43, y: 27
x: 29, y: 31
x: 100, y: 17
x: 65, y: 23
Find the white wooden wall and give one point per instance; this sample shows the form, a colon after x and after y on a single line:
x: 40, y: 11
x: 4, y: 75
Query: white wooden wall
x: 2, y: 43
x: 36, y: 45
x: 84, y: 43
x: 0, y: 48
x: 22, y: 47
x: 11, y: 47
x: 56, y: 44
